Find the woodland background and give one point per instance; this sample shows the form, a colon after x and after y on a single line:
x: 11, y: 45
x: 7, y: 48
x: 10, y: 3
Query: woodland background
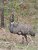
x: 25, y: 11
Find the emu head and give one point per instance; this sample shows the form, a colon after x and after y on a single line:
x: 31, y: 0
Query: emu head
x: 12, y: 17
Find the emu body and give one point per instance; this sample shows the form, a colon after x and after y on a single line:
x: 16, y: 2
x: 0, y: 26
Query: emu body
x: 21, y: 29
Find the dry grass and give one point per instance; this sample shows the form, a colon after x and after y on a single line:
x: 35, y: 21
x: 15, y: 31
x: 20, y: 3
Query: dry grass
x: 10, y: 41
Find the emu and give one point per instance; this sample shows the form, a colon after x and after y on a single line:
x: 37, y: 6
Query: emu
x: 21, y: 29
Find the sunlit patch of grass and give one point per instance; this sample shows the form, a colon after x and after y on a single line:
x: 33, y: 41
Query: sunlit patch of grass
x: 20, y: 46
x: 31, y: 48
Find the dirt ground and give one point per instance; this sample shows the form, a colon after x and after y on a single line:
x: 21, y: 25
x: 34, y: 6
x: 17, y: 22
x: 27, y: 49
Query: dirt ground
x: 10, y: 41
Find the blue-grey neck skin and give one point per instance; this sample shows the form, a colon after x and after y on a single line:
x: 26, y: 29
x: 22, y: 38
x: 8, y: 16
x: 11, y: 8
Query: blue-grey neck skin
x: 11, y: 27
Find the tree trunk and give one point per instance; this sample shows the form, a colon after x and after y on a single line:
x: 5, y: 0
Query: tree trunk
x: 2, y: 18
x: 2, y: 15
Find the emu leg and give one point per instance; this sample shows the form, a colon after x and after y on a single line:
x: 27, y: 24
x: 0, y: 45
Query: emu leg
x: 26, y: 39
x: 23, y: 40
